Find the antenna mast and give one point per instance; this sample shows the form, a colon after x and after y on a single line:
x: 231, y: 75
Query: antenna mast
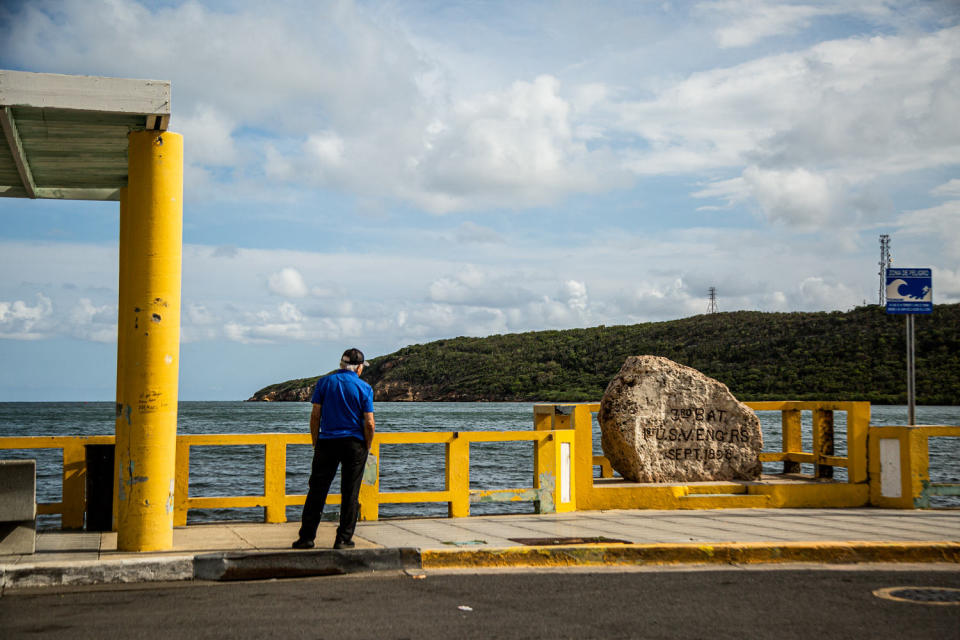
x: 712, y: 306
x: 885, y: 261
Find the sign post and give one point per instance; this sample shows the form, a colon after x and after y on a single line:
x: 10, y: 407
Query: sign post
x: 910, y: 292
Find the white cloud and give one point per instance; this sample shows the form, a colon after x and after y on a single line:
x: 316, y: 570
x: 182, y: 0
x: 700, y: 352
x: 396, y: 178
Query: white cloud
x: 97, y: 323
x: 288, y: 283
x: 753, y: 20
x: 207, y: 135
x: 516, y: 146
x: 946, y: 285
x: 797, y: 198
x: 948, y: 189
x: 940, y: 225
x: 888, y: 100
x: 21, y: 321
x: 475, y: 287
x: 326, y: 147
x: 290, y: 313
x: 820, y: 294
x: 576, y: 295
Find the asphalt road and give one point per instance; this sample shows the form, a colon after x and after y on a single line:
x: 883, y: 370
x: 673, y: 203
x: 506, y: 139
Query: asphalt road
x: 781, y: 604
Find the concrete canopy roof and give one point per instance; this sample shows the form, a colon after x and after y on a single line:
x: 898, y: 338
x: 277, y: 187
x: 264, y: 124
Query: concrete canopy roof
x: 65, y: 136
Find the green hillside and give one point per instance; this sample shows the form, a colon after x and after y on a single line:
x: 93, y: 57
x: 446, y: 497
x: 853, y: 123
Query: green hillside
x: 855, y: 355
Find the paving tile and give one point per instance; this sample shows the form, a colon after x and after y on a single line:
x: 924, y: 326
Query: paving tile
x: 208, y: 538
x: 853, y: 529
x: 278, y: 536
x: 54, y: 542
x: 108, y: 541
x: 60, y: 558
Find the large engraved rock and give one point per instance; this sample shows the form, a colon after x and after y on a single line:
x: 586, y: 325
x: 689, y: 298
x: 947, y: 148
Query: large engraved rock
x: 664, y: 422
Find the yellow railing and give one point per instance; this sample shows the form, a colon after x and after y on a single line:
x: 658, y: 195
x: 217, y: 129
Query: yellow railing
x: 563, y: 474
x: 900, y: 466
x: 822, y: 455
x: 551, y: 489
x: 552, y: 484
x: 74, y: 473
x: 605, y: 495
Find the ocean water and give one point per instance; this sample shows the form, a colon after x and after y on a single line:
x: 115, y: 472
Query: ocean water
x: 237, y: 470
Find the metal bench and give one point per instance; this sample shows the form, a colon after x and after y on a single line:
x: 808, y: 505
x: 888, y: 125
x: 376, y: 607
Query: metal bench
x: 18, y: 506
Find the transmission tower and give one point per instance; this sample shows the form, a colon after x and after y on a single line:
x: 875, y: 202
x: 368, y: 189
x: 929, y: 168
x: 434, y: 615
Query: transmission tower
x: 712, y: 305
x: 885, y: 261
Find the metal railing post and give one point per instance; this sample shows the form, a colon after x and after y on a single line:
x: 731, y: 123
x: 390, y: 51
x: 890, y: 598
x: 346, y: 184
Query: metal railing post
x: 790, y: 421
x: 458, y: 476
x: 822, y: 441
x: 370, y: 488
x: 181, y: 484
x: 74, y: 485
x: 275, y: 480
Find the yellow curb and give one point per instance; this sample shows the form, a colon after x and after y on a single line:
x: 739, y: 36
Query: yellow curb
x: 693, y: 553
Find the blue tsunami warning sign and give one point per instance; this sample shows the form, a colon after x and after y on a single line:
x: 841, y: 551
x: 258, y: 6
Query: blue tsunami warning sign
x: 909, y: 290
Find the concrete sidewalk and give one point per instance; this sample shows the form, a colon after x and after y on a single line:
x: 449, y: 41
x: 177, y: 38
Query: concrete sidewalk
x: 252, y: 550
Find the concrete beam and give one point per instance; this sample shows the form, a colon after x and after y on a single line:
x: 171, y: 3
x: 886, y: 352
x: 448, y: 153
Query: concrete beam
x: 63, y: 193
x: 86, y: 93
x: 16, y: 150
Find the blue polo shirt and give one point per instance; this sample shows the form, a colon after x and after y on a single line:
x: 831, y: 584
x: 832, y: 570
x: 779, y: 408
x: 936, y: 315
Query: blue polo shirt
x: 344, y: 398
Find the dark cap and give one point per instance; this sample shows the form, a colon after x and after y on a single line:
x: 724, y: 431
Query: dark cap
x: 352, y: 356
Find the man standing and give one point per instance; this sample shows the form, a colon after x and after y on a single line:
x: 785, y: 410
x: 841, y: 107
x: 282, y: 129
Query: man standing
x: 341, y: 428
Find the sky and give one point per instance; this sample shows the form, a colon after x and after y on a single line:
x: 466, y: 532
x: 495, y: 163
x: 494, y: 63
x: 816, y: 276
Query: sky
x: 380, y: 174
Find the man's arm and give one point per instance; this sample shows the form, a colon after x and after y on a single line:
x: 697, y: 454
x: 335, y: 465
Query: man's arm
x: 315, y: 423
x: 368, y: 428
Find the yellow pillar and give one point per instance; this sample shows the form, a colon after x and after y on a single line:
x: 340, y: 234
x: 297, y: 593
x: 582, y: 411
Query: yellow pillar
x: 150, y: 341
x: 121, y: 430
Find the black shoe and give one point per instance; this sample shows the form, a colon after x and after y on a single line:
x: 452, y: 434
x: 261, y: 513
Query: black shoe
x: 302, y: 544
x: 344, y: 544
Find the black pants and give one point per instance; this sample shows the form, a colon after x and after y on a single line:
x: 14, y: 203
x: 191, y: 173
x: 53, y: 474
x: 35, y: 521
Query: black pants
x: 350, y: 455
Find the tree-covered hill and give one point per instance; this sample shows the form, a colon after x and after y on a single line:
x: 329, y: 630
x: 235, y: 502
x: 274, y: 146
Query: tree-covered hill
x: 855, y: 355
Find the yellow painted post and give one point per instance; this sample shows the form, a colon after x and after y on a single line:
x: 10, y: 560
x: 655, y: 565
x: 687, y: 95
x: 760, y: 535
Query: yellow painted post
x: 858, y: 424
x: 542, y: 421
x: 792, y: 443
x: 182, y: 486
x: 543, y: 467
x: 370, y: 487
x: 822, y: 441
x: 889, y: 462
x: 582, y: 458
x: 275, y: 479
x: 123, y: 316
x: 900, y: 465
x: 543, y: 417
x: 458, y: 476
x: 74, y: 485
x: 151, y: 341
x: 917, y: 469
